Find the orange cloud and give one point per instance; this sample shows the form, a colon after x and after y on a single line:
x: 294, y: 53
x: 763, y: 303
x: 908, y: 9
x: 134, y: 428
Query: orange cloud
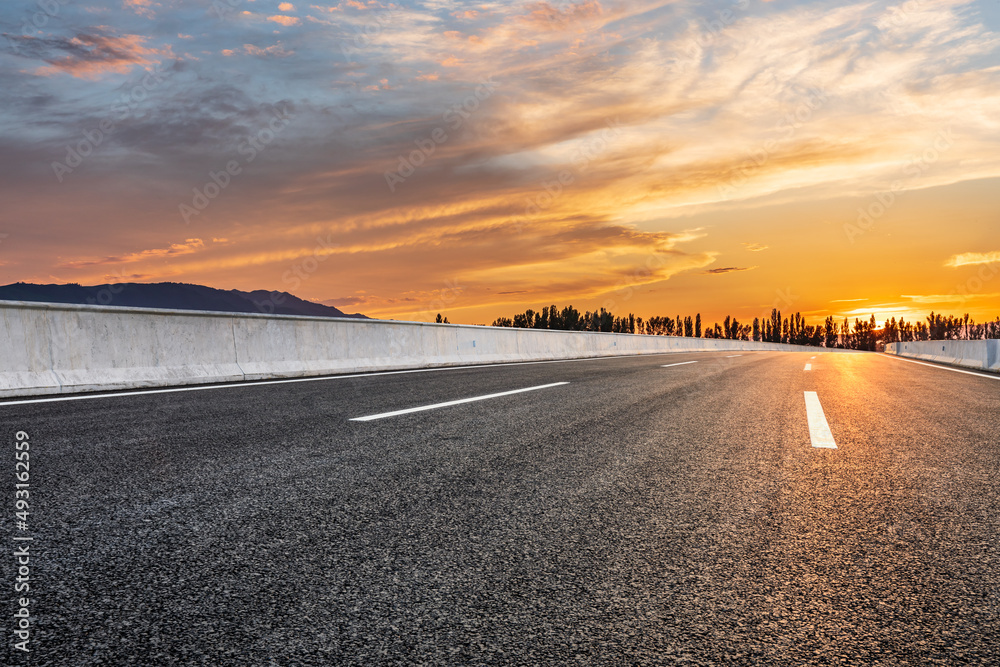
x: 383, y: 84
x: 95, y: 55
x: 141, y: 7
x: 284, y: 20
x: 544, y: 16
x: 188, y: 247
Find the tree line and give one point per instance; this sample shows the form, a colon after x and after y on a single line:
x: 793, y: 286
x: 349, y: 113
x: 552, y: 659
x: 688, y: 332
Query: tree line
x: 859, y: 335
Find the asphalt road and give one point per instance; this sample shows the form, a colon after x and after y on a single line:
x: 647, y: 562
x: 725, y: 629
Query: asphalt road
x: 638, y: 514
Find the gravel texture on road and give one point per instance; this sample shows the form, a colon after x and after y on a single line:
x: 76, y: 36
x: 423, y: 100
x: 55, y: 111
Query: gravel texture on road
x: 637, y: 515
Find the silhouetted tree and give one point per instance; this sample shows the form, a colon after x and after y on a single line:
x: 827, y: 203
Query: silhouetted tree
x: 830, y: 332
x: 775, y: 326
x: 864, y: 335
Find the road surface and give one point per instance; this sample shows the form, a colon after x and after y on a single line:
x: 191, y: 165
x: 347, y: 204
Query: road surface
x: 689, y: 508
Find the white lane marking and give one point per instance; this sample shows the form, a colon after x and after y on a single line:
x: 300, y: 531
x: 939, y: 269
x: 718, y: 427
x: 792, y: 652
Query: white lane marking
x: 819, y: 429
x: 317, y: 378
x: 944, y: 368
x: 730, y: 356
x: 683, y: 363
x: 460, y: 401
x: 809, y: 367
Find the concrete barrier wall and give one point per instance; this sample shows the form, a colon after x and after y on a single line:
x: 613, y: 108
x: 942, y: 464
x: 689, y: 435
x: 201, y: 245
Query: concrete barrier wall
x: 981, y: 354
x: 58, y: 348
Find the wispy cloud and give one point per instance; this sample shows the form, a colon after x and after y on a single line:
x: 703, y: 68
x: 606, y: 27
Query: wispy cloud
x: 973, y: 259
x: 730, y: 269
x: 92, y: 54
x: 947, y: 299
x: 544, y: 16
x: 273, y: 51
x: 142, y: 7
x: 175, y: 249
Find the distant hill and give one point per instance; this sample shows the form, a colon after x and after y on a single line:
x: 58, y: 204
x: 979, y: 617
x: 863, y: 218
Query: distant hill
x: 179, y: 296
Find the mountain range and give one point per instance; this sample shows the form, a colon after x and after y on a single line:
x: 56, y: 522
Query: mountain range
x: 180, y: 296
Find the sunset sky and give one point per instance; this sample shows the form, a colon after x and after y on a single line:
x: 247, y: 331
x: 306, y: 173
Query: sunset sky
x: 476, y: 159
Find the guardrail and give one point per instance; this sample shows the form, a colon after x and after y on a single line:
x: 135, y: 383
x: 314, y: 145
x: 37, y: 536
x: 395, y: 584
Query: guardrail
x: 981, y: 354
x: 50, y: 348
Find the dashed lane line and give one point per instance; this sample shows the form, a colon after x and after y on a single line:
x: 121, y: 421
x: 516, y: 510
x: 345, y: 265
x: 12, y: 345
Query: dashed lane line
x: 819, y: 429
x: 446, y: 404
